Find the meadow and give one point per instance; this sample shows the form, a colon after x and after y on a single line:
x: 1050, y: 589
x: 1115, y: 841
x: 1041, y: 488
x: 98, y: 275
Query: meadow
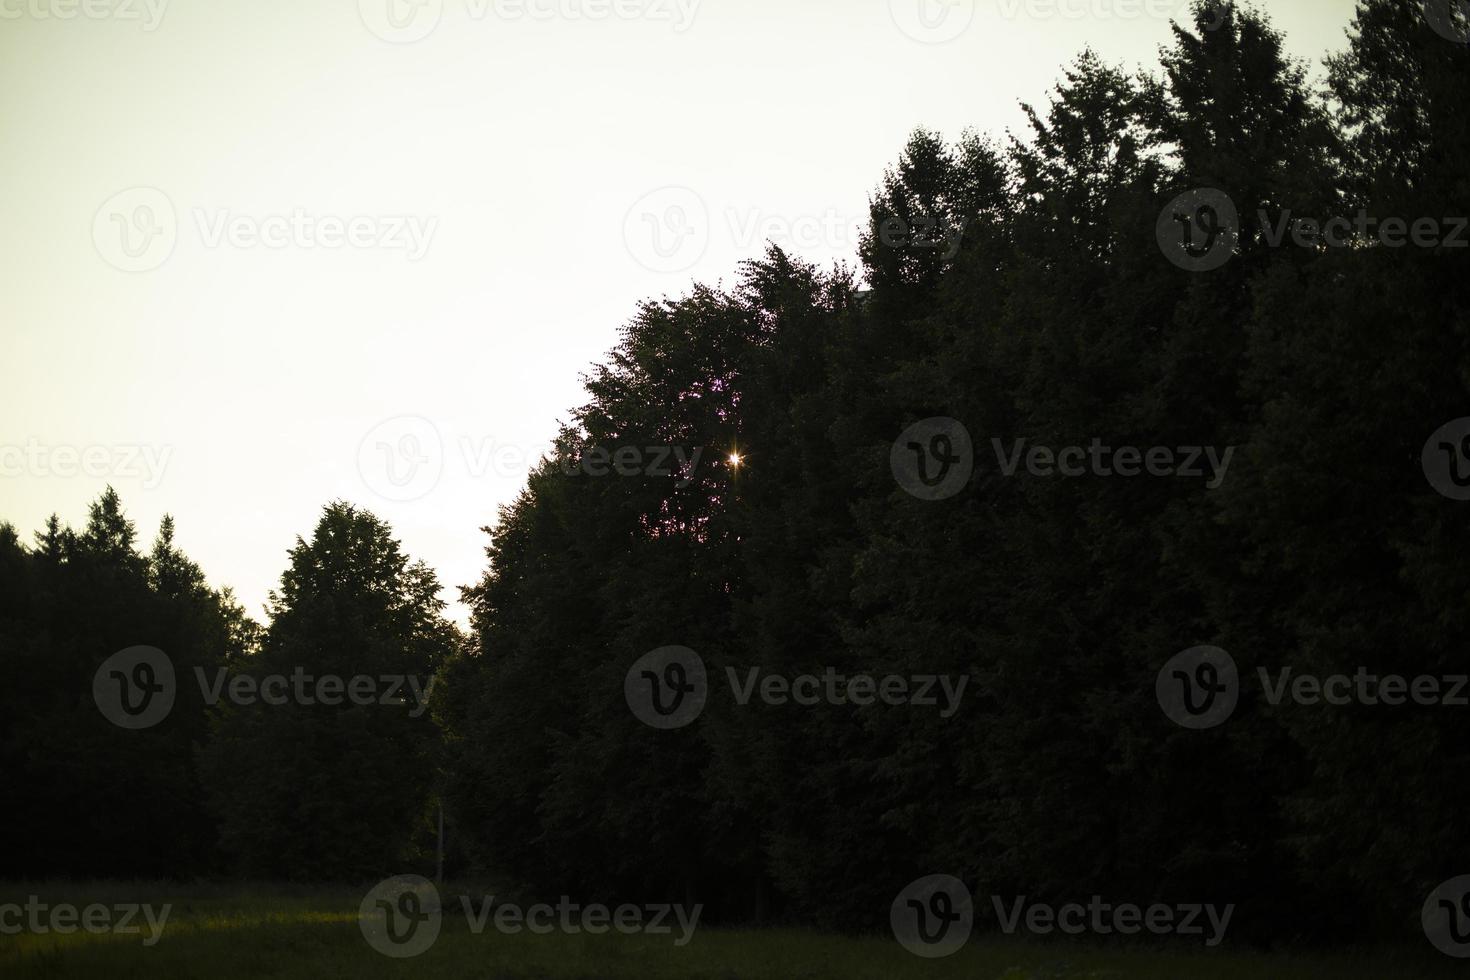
x: 228, y: 931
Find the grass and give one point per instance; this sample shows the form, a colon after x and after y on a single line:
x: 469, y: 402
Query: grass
x: 287, y: 932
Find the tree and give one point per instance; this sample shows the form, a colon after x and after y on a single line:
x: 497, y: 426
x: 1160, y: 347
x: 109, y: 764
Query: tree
x: 309, y: 789
x: 69, y: 604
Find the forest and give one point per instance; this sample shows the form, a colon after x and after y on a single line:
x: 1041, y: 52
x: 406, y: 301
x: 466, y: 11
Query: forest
x: 1164, y: 396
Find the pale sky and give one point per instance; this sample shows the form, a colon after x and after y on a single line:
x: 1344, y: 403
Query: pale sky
x: 255, y: 251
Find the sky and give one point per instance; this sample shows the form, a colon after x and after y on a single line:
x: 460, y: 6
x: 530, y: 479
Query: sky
x: 260, y: 255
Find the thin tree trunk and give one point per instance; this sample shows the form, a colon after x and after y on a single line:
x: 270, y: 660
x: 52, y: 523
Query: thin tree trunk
x: 439, y: 872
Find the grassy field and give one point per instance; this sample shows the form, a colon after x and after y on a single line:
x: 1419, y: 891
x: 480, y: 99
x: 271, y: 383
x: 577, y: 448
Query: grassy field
x: 235, y: 931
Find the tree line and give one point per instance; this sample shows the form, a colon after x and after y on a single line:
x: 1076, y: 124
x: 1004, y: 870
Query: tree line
x: 1057, y: 313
